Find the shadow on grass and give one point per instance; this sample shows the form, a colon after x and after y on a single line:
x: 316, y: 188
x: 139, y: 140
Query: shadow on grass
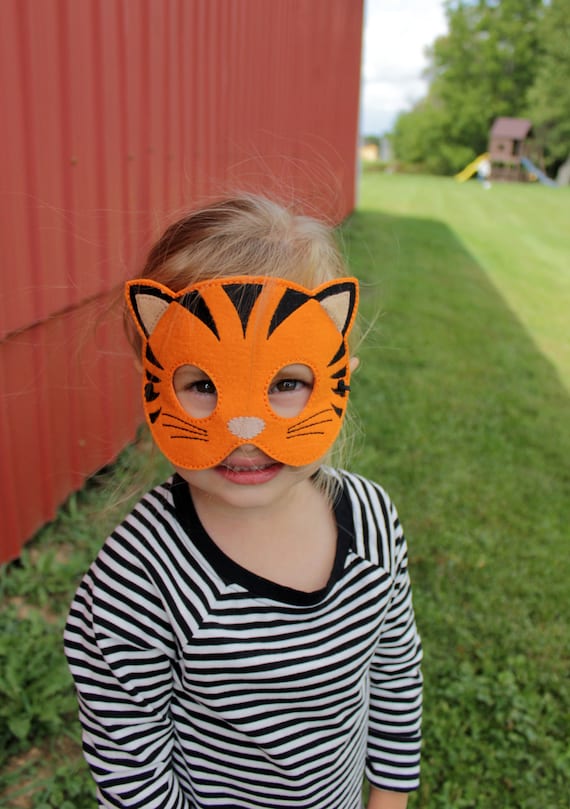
x: 466, y: 424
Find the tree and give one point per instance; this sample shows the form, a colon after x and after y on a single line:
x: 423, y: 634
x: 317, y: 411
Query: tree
x: 421, y: 137
x: 483, y: 68
x: 549, y: 98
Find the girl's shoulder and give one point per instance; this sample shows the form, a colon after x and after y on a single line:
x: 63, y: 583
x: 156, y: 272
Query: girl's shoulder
x: 359, y: 483
x: 362, y: 490
x: 126, y: 591
x: 150, y: 523
x: 377, y: 532
x: 156, y: 506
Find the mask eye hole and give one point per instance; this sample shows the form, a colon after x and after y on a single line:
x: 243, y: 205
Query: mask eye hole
x: 290, y: 390
x: 195, y: 391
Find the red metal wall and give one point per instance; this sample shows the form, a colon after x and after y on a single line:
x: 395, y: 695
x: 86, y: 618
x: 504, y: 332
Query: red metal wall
x: 115, y: 114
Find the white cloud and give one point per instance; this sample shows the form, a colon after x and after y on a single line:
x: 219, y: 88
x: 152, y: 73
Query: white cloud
x: 396, y: 34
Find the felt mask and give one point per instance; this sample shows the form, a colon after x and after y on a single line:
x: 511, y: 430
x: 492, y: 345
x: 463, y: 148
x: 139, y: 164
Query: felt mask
x: 239, y: 334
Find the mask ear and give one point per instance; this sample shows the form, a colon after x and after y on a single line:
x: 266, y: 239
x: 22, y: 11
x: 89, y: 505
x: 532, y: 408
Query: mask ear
x: 339, y: 300
x: 147, y: 302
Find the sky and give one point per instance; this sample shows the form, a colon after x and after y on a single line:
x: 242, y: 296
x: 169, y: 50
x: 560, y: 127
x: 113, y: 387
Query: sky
x: 395, y: 35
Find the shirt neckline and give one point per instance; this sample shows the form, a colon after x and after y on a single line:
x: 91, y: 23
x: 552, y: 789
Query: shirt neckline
x: 233, y: 573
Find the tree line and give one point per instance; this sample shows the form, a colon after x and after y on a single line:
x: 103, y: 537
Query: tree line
x: 499, y: 58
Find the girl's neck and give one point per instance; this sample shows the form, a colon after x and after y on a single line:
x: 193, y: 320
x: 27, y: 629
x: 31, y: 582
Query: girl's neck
x: 215, y: 512
x: 291, y: 542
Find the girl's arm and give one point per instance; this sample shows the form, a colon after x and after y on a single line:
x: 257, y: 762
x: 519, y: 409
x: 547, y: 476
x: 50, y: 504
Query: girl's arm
x: 380, y: 799
x: 394, y: 735
x: 123, y: 677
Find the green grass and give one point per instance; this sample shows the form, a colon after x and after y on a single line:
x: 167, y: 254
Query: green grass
x: 463, y: 395
x: 516, y: 233
x: 466, y: 419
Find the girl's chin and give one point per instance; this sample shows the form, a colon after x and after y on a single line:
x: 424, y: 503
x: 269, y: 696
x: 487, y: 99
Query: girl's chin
x: 249, y: 476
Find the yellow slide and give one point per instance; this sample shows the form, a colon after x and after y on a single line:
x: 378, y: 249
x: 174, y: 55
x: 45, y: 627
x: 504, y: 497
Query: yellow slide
x: 471, y: 168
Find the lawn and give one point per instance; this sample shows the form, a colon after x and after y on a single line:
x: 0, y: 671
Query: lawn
x: 463, y: 397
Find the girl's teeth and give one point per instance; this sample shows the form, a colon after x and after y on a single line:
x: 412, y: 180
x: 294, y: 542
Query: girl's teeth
x: 247, y: 468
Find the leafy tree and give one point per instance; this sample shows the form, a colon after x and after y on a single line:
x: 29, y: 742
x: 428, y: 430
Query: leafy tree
x: 421, y: 138
x: 481, y: 69
x: 549, y: 98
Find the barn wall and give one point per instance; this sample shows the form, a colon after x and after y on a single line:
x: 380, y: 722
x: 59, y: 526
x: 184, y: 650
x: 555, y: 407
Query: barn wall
x: 117, y: 115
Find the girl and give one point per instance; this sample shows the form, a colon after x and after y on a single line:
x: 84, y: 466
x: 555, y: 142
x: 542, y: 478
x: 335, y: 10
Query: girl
x: 246, y: 637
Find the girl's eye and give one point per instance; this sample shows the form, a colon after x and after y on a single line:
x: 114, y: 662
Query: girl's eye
x: 290, y: 390
x: 195, y: 391
x: 204, y: 386
x: 287, y: 386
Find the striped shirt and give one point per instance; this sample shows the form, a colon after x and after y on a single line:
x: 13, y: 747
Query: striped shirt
x: 202, y: 685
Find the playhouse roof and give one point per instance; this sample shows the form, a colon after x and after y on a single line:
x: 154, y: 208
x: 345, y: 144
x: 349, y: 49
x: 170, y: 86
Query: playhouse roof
x: 514, y: 128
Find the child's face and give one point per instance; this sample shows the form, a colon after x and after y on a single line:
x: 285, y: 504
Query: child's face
x: 239, y: 361
x: 248, y: 478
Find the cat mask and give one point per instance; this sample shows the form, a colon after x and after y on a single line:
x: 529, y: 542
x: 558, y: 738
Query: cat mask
x: 240, y: 332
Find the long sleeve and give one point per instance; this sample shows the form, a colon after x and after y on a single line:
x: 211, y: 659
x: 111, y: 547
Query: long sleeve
x: 394, y: 736
x: 116, y: 650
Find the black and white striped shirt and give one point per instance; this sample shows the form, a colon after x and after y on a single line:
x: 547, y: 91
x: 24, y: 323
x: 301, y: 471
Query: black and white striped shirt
x: 202, y: 685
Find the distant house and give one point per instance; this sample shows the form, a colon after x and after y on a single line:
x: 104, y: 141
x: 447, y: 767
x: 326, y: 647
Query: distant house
x: 374, y: 149
x: 369, y: 152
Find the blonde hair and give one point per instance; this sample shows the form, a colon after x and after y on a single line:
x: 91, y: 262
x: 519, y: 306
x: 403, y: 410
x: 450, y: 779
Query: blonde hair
x: 242, y: 235
x: 245, y: 234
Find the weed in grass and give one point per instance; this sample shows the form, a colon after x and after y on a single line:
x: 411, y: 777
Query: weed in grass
x: 43, y: 576
x: 36, y: 694
x: 69, y: 787
x: 493, y: 733
x: 50, y: 776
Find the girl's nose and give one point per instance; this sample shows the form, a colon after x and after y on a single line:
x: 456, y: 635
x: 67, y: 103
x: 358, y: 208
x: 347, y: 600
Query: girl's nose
x: 246, y: 426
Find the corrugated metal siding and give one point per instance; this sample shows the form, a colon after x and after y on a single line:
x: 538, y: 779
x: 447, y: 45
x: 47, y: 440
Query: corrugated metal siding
x: 116, y: 114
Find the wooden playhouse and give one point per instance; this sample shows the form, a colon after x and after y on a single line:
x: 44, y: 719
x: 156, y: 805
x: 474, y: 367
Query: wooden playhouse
x: 511, y: 149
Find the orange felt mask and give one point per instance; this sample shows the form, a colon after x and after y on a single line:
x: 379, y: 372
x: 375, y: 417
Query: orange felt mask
x: 241, y: 332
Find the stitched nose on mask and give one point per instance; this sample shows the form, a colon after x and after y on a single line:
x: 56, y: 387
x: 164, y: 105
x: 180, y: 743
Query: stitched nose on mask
x: 246, y: 426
